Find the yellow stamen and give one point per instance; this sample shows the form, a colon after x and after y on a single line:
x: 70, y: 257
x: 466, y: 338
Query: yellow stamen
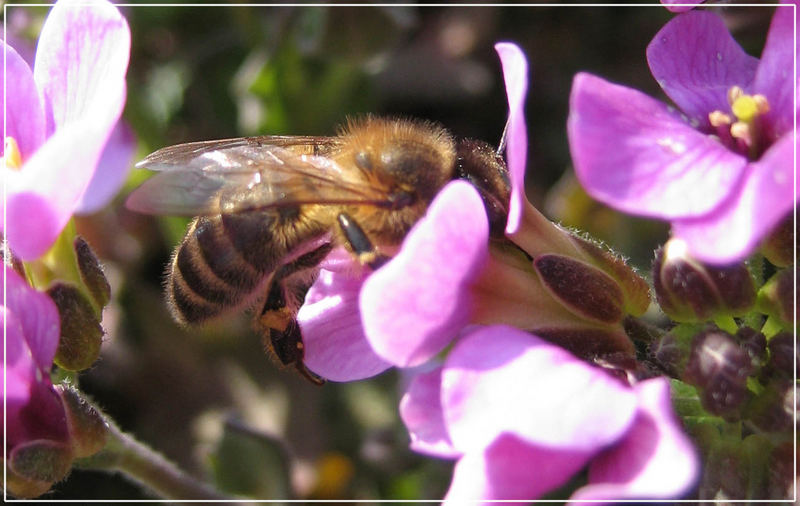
x: 734, y: 93
x: 761, y: 103
x: 741, y: 130
x: 12, y: 158
x: 745, y: 108
x: 719, y: 118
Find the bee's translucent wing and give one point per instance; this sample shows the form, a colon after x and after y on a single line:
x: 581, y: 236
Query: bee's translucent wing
x: 246, y: 174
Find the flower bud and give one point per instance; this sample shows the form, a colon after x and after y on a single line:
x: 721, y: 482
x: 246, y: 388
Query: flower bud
x: 781, y: 477
x: 782, y: 358
x: 41, y: 460
x: 25, y: 488
x: 635, y: 291
x: 754, y: 344
x: 87, y: 430
x: 673, y: 350
x: 91, y: 273
x: 81, y: 333
x: 689, y: 291
x: 776, y: 297
x: 778, y: 247
x: 585, y: 290
x: 719, y: 368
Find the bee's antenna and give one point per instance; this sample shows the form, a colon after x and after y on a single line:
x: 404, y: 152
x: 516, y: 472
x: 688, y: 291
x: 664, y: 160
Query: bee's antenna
x: 501, y: 147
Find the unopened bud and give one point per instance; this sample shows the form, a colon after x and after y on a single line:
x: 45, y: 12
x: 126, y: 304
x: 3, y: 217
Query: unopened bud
x: 673, y: 350
x: 25, y: 488
x: 81, y: 333
x: 782, y: 357
x: 719, y: 368
x: 754, y: 343
x: 776, y: 297
x: 587, y: 342
x: 583, y: 289
x: 781, y: 476
x: 91, y: 273
x: 41, y: 460
x: 635, y: 291
x: 689, y: 291
x: 778, y: 247
x: 87, y: 429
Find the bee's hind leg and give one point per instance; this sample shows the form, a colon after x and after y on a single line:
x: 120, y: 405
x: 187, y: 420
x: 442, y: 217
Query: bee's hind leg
x: 278, y: 318
x: 363, y: 248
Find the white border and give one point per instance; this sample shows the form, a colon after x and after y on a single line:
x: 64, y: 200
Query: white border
x: 5, y: 369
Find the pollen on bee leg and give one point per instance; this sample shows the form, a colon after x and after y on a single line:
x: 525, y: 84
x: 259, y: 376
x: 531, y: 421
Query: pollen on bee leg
x: 12, y: 158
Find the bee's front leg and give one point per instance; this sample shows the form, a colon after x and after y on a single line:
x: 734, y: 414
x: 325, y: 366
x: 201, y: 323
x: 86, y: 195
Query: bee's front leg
x: 365, y: 251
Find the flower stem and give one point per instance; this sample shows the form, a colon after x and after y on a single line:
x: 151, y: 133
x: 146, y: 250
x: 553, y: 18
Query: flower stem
x: 147, y: 467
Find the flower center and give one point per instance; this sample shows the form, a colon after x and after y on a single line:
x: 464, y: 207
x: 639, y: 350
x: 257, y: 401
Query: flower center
x: 742, y: 131
x: 12, y: 158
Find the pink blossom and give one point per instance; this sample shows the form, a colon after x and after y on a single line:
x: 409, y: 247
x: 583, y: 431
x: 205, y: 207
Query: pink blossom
x: 721, y: 172
x: 61, y: 115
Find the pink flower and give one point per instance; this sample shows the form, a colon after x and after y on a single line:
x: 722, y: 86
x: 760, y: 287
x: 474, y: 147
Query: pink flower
x: 721, y: 172
x: 33, y: 408
x: 522, y: 416
x: 59, y: 117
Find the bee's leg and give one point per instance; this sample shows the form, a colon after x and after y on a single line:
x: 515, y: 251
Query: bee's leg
x: 288, y: 347
x: 277, y: 320
x: 363, y: 248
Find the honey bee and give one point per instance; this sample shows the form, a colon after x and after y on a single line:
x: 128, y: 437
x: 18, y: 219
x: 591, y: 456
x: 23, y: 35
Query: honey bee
x: 269, y: 209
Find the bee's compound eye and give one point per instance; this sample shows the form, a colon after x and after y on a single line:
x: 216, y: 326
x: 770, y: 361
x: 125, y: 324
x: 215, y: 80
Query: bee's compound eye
x: 364, y: 160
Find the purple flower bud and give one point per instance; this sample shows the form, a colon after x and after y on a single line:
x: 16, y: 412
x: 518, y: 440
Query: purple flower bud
x: 754, y: 343
x: 780, y: 483
x: 719, y: 368
x: 782, y: 357
x: 672, y: 352
x: 690, y: 291
x: 583, y: 289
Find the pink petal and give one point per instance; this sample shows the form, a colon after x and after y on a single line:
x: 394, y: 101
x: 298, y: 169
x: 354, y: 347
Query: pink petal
x: 766, y: 196
x: 510, y: 469
x: 81, y: 60
x: 19, y: 364
x: 631, y: 153
x: 421, y: 411
x: 515, y: 73
x: 112, y: 169
x: 24, y: 115
x: 696, y: 61
x: 42, y: 196
x: 335, y: 345
x: 655, y: 460
x: 415, y: 305
x: 501, y: 380
x: 774, y: 75
x: 680, y: 5
x: 38, y: 319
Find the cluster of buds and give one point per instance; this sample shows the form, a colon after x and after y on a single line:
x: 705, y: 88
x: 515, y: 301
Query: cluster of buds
x: 735, y: 346
x: 51, y: 426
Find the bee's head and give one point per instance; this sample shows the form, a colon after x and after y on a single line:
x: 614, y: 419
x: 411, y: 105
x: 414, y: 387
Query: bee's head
x: 413, y: 160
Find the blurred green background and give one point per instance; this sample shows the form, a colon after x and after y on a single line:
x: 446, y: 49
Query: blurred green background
x: 211, y: 400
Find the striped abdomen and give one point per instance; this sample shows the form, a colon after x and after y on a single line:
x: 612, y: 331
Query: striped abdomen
x: 224, y: 259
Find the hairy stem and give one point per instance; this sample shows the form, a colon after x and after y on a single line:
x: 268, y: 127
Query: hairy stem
x: 147, y: 467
